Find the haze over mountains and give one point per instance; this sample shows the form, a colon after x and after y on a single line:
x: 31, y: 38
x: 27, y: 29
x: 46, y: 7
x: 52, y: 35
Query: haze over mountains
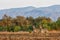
x: 51, y: 11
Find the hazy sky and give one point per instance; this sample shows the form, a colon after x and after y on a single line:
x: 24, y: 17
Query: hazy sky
x: 4, y: 4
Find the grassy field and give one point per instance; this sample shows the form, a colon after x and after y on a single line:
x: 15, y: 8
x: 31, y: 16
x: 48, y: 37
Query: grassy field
x: 29, y: 36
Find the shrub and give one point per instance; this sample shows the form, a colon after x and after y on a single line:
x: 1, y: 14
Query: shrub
x: 17, y: 28
x: 1, y: 28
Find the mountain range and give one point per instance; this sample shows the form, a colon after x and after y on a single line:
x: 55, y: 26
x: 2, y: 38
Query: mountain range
x: 51, y: 11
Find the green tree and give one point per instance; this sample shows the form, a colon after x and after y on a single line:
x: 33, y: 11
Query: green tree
x: 58, y: 23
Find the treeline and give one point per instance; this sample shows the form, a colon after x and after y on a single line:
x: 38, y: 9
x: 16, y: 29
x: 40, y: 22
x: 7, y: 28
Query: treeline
x: 21, y: 23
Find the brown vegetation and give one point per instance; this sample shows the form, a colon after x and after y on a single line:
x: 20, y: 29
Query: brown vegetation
x: 28, y: 36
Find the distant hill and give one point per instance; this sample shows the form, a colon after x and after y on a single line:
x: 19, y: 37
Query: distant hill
x: 51, y: 11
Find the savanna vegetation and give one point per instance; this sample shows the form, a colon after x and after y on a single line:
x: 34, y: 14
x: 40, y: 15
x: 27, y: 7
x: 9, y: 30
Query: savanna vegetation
x: 21, y: 23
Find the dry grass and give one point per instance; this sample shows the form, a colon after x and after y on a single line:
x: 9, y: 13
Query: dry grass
x: 29, y: 36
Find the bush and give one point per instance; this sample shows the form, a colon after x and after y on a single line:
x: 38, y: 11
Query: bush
x: 30, y: 28
x: 17, y: 28
x: 10, y: 29
x: 1, y: 28
x: 47, y: 27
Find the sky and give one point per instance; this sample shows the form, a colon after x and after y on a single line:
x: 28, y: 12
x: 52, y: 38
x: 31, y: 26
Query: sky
x: 6, y: 4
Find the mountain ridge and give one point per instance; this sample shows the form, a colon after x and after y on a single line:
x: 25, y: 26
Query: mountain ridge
x: 50, y: 11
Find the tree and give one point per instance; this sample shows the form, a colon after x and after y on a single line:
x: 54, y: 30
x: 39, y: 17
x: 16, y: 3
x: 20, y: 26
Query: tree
x: 58, y: 23
x: 30, y: 19
x: 20, y: 20
x: 7, y: 20
x: 46, y: 23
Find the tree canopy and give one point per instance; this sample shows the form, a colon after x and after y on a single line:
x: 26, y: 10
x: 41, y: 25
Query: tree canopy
x: 21, y: 23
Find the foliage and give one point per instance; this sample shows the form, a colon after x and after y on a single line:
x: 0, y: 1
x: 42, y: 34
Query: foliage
x: 17, y: 28
x: 21, y: 23
x: 1, y: 28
